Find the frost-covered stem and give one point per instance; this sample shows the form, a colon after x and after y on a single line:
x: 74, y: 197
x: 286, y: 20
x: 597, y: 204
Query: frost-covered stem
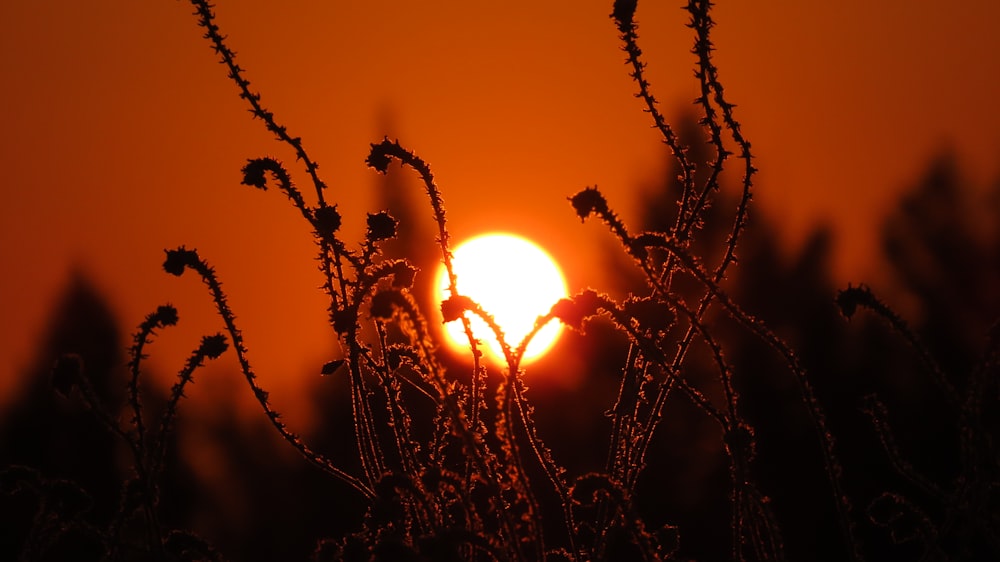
x: 379, y: 158
x: 624, y: 17
x: 206, y: 19
x: 813, y: 408
x: 165, y: 315
x: 181, y: 258
x: 398, y: 418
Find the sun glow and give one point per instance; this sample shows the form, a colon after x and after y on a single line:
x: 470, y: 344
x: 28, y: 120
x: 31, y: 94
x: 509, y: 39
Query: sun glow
x: 512, y: 279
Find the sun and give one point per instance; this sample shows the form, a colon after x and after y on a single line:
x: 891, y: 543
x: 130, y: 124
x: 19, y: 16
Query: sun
x: 514, y: 280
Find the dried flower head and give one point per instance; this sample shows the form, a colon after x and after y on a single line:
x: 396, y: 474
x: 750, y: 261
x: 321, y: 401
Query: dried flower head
x: 569, y: 313
x: 453, y: 307
x: 178, y: 259
x: 385, y: 304
x: 326, y: 220
x: 165, y: 315
x: 403, y: 275
x: 381, y: 226
x: 623, y: 14
x: 850, y: 298
x: 213, y: 346
x: 589, y: 201
x: 254, y: 173
x: 379, y: 158
x: 575, y: 310
x: 651, y: 314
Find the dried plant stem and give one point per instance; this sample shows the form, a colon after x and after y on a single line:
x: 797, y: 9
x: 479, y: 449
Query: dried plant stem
x: 628, y: 29
x: 815, y: 411
x: 206, y: 19
x: 190, y: 258
x: 379, y: 158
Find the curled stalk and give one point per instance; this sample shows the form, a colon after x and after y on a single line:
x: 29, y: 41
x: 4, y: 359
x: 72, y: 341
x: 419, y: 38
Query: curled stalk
x: 206, y: 20
x: 379, y: 158
x: 176, y: 262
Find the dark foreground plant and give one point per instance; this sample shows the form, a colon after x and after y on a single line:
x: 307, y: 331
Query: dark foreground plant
x: 475, y: 486
x: 969, y: 521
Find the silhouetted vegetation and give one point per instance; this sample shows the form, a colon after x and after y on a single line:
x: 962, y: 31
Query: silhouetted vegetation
x: 737, y: 414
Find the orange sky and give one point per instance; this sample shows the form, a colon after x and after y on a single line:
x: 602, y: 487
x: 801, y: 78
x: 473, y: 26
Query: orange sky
x: 121, y: 135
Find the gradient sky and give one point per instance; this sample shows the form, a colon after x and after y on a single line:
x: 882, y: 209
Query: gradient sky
x: 121, y: 135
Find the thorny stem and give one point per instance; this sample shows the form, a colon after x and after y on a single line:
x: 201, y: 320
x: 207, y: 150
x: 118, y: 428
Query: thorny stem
x: 509, y: 439
x: 590, y: 201
x: 331, y: 267
x: 878, y: 415
x: 398, y: 419
x: 813, y: 407
x: 141, y: 338
x: 364, y: 424
x: 542, y: 453
x: 624, y: 18
x: 379, y: 159
x: 515, y: 394
x: 177, y: 392
x: 711, y: 89
x: 253, y: 174
x: 629, y: 385
x: 208, y: 277
x: 478, y: 455
x: 708, y: 78
x: 96, y: 405
x: 863, y: 296
x: 635, y: 246
x: 206, y: 19
x: 975, y: 444
x: 703, y: 50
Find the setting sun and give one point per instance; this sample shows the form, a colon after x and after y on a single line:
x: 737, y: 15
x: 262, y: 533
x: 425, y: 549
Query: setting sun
x: 512, y: 279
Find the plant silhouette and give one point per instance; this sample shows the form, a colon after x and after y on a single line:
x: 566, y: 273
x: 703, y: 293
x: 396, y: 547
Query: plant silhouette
x: 718, y: 431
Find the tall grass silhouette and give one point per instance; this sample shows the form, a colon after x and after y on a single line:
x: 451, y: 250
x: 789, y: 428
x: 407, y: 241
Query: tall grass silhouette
x: 482, y: 484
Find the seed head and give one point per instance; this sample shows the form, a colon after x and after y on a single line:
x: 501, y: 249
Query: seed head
x: 214, y: 346
x: 327, y: 221
x: 589, y: 201
x: 850, y: 298
x: 574, y: 311
x: 453, y: 307
x: 178, y: 259
x: 381, y: 226
x: 254, y: 173
x: 165, y: 315
x: 403, y: 275
x: 379, y: 158
x: 651, y: 314
x: 384, y: 304
x: 623, y: 13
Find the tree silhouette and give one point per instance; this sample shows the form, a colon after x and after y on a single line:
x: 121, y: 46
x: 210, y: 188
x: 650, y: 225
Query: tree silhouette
x: 943, y: 246
x: 69, y: 452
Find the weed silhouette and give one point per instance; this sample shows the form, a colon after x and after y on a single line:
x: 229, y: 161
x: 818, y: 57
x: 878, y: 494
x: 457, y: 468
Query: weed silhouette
x: 451, y: 465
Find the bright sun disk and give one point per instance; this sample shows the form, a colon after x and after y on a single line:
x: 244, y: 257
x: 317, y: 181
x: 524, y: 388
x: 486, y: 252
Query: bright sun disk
x: 512, y: 279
